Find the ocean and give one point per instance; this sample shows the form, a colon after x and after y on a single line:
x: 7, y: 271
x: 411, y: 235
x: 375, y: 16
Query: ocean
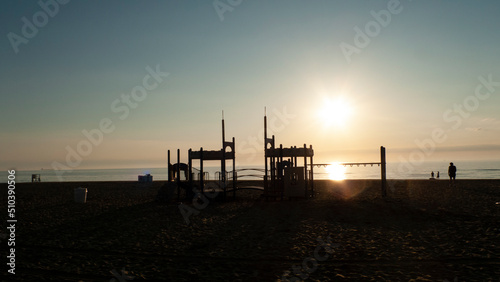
x: 465, y: 170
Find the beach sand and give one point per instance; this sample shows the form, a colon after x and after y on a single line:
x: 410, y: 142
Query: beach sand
x: 423, y: 231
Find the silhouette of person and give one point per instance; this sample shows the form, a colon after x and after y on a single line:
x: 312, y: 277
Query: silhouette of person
x: 452, y: 172
x: 438, y: 175
x: 432, y: 174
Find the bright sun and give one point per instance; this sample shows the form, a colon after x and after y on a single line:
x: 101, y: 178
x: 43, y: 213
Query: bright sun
x: 336, y: 171
x: 335, y: 112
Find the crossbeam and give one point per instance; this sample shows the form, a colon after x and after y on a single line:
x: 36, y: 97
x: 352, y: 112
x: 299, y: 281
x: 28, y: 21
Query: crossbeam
x: 211, y: 155
x: 289, y: 152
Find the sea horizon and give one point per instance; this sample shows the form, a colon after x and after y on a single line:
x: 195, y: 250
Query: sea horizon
x: 395, y: 170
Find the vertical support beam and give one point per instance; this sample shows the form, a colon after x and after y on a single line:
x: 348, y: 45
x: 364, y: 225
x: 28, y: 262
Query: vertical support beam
x: 281, y: 181
x: 266, y: 187
x: 223, y: 131
x: 306, y: 178
x: 223, y: 159
x: 235, y: 176
x: 312, y: 174
x: 169, y: 166
x: 280, y: 163
x: 190, y: 169
x: 178, y: 165
x: 223, y: 171
x: 273, y: 170
x: 295, y: 159
x: 383, y: 171
x: 201, y: 170
x: 273, y: 173
x: 178, y: 182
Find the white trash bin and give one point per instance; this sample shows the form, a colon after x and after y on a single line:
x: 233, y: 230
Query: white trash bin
x: 81, y: 195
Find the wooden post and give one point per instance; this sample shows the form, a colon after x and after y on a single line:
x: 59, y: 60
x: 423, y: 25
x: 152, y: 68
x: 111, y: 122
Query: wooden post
x: 223, y: 171
x: 190, y: 168
x: 383, y: 171
x: 312, y: 174
x: 295, y: 159
x: 178, y: 174
x: 266, y: 188
x: 169, y: 175
x: 273, y: 170
x: 306, y: 179
x: 223, y: 131
x: 281, y: 181
x: 201, y: 170
x: 235, y: 176
x: 223, y: 159
x: 178, y: 166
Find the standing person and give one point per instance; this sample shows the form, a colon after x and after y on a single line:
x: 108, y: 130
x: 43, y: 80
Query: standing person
x: 452, y: 172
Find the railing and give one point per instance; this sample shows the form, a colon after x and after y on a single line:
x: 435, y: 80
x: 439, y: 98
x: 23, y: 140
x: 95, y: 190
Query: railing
x: 196, y: 176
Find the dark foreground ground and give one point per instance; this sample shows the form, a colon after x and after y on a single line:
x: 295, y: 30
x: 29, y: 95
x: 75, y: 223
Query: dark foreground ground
x: 424, y: 231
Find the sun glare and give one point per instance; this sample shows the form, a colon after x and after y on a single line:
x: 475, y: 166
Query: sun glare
x: 335, y: 112
x: 336, y: 171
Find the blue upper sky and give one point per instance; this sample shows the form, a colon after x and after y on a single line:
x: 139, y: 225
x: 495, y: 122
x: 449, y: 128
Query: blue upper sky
x: 417, y: 74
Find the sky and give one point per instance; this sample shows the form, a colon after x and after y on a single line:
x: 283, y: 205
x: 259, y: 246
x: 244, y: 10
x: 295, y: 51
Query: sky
x: 115, y: 84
